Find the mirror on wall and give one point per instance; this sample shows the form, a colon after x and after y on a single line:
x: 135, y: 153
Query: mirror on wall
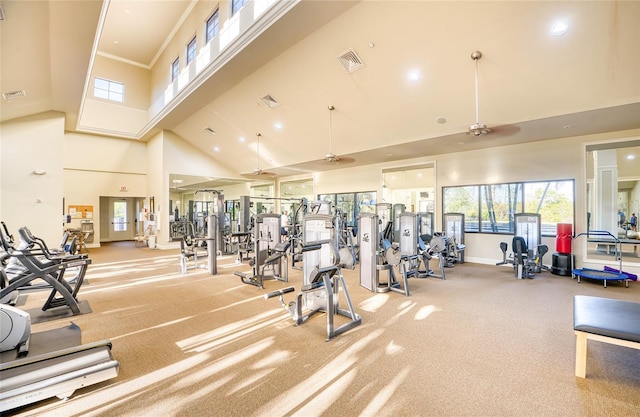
x: 413, y: 187
x: 193, y: 198
x: 613, y: 198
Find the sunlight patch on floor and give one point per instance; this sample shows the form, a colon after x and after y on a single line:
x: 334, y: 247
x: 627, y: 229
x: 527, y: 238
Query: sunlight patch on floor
x: 313, y: 386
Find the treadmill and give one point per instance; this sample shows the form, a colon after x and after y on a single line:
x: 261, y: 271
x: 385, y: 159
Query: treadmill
x: 56, y: 365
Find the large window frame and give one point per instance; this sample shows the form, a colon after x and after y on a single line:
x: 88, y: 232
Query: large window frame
x: 489, y: 208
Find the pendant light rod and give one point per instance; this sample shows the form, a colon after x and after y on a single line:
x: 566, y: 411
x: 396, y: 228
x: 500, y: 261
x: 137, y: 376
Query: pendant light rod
x: 331, y: 109
x: 258, y: 135
x: 476, y: 56
x: 477, y: 129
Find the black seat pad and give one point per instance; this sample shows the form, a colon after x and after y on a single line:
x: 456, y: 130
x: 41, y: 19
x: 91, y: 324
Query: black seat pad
x: 607, y: 317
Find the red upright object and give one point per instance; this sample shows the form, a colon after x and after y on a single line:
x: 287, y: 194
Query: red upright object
x: 563, y: 237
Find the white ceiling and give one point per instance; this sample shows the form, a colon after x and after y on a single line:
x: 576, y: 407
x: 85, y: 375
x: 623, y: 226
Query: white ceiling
x: 532, y: 86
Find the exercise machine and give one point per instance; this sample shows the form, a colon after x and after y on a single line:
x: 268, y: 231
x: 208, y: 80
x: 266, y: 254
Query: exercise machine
x: 269, y: 253
x: 454, y: 232
x: 38, y: 366
x: 39, y: 263
x: 322, y: 279
x: 372, y: 257
x: 528, y: 252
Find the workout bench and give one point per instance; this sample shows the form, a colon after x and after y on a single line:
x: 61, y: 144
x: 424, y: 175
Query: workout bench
x: 604, y: 320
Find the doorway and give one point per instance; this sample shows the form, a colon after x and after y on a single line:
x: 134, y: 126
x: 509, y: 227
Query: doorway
x: 118, y: 220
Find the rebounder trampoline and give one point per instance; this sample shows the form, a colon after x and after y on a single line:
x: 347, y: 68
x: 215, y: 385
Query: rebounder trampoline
x: 607, y: 274
x: 604, y: 275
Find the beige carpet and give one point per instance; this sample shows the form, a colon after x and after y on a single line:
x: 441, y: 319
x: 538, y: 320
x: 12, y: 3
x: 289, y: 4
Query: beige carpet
x: 479, y: 343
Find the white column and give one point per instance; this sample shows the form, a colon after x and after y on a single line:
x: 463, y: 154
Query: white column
x: 606, y: 191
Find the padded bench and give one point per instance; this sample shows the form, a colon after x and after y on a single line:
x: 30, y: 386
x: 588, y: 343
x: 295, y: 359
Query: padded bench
x: 604, y: 320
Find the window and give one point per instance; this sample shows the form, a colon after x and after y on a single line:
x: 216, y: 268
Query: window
x: 120, y: 216
x: 212, y: 27
x: 191, y: 50
x: 498, y: 204
x: 175, y: 69
x: 490, y: 208
x: 237, y: 5
x: 108, y: 90
x: 463, y: 200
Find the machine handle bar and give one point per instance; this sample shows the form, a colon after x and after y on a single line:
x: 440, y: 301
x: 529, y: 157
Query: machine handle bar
x: 279, y: 292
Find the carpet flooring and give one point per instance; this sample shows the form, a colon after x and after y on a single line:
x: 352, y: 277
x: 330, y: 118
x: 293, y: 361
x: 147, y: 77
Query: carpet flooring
x: 480, y: 343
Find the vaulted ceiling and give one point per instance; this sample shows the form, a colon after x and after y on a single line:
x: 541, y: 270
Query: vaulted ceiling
x: 414, y: 96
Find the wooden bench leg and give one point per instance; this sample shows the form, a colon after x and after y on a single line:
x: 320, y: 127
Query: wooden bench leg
x: 581, y: 354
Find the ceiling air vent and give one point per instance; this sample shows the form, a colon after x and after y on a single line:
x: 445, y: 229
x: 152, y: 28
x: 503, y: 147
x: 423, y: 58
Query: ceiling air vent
x: 270, y: 101
x: 350, y: 61
x: 13, y: 94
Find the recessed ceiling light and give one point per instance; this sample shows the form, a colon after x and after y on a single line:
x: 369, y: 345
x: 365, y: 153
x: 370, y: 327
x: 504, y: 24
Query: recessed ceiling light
x: 242, y: 139
x: 441, y: 120
x: 559, y: 28
x: 216, y: 149
x: 278, y: 125
x: 413, y: 75
x: 631, y: 157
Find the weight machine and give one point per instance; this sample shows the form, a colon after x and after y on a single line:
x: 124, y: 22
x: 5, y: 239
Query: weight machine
x: 371, y: 256
x: 528, y: 251
x: 454, y: 238
x: 269, y: 252
x: 322, y: 279
x: 193, y: 248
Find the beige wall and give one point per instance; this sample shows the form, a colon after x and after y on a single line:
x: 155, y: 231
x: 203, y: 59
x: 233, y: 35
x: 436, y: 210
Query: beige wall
x: 82, y: 168
x: 26, y: 145
x: 130, y: 116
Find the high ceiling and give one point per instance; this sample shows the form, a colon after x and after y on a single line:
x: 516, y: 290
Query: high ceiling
x: 532, y: 85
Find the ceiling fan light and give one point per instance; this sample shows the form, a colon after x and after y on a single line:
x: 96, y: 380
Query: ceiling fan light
x: 478, y: 129
x: 331, y: 157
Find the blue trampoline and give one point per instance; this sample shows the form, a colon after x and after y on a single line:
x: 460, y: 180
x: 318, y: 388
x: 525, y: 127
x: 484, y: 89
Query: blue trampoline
x: 607, y: 274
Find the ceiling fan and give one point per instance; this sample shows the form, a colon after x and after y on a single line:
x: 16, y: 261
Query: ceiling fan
x: 477, y: 129
x: 258, y: 172
x: 332, y: 157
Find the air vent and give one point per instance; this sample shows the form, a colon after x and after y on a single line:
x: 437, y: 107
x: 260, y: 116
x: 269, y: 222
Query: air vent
x: 209, y: 130
x: 350, y: 61
x: 270, y: 101
x: 2, y: 16
x: 13, y: 94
